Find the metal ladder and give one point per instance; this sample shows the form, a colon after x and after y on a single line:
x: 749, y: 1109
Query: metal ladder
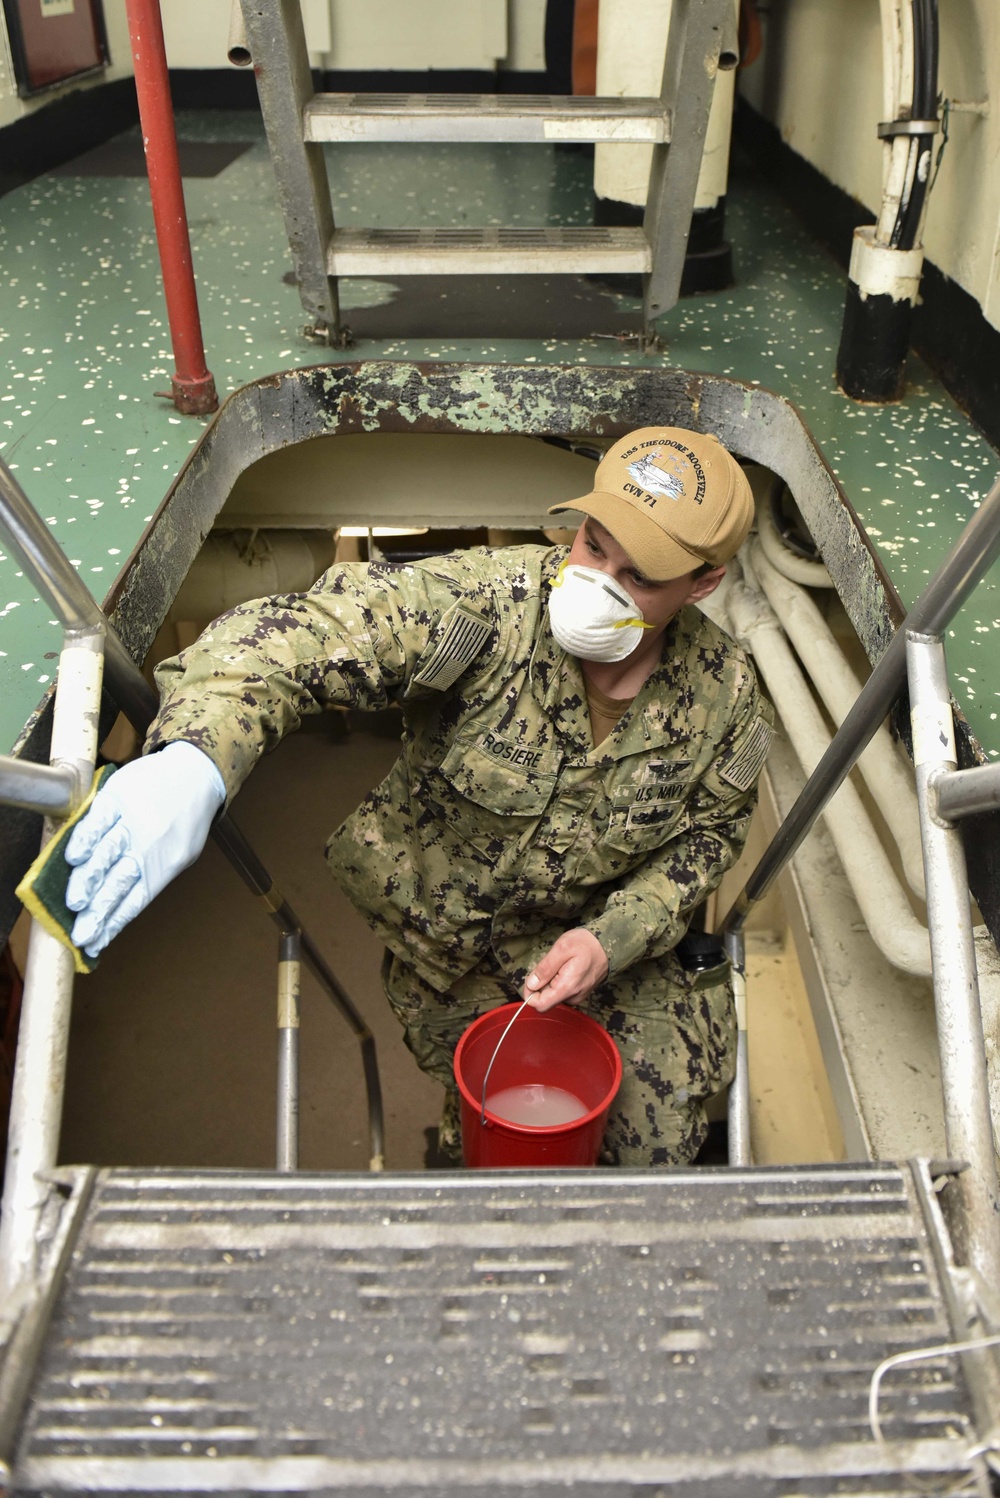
x: 299, y: 122
x: 945, y: 794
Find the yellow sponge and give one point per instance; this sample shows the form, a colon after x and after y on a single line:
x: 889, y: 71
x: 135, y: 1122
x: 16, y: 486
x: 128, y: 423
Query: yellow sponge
x: 42, y: 891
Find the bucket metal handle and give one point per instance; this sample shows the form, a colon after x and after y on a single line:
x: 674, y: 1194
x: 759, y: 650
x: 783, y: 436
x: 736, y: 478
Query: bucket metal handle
x: 522, y: 1006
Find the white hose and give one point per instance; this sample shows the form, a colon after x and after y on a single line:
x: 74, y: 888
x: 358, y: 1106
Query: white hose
x: 884, y: 907
x: 897, y: 88
x: 799, y: 569
x: 885, y: 775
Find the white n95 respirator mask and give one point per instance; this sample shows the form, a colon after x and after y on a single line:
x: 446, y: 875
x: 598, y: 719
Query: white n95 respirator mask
x: 592, y: 617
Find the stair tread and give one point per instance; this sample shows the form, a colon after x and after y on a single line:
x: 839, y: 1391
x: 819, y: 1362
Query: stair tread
x: 486, y: 250
x: 483, y: 1330
x: 484, y: 117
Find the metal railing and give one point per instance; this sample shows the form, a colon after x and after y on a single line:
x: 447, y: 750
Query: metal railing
x: 944, y: 793
x: 56, y: 790
x: 43, y: 1038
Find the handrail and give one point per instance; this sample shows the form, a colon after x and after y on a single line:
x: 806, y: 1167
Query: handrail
x: 964, y: 1078
x: 50, y: 789
x: 975, y: 551
x: 967, y: 1124
x: 45, y: 563
x: 39, y: 1086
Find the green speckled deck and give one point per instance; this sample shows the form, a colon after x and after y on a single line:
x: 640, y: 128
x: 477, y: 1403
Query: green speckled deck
x: 84, y: 349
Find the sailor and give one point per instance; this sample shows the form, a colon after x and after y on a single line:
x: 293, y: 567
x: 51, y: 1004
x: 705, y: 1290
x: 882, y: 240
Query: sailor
x: 578, y: 769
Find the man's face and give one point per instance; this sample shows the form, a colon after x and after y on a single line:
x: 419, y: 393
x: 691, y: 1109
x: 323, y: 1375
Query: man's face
x: 595, y: 547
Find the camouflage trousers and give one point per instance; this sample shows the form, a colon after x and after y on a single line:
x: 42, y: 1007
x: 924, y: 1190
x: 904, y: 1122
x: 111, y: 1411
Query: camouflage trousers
x: 675, y: 1031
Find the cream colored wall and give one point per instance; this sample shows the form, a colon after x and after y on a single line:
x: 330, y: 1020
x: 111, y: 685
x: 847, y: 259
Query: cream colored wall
x: 13, y: 108
x: 819, y: 80
x: 631, y: 46
x: 378, y: 34
x: 196, y: 35
x: 382, y: 34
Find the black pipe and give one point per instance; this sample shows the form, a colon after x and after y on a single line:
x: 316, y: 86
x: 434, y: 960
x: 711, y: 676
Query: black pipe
x: 924, y: 107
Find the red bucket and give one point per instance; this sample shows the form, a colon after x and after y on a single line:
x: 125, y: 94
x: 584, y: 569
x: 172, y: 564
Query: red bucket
x: 561, y: 1048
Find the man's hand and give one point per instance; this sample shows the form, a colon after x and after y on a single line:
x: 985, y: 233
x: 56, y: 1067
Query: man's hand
x: 150, y: 821
x: 570, y: 970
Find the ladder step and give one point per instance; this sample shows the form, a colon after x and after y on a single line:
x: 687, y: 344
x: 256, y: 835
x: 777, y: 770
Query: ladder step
x: 489, y: 251
x: 484, y: 117
x: 574, y: 1333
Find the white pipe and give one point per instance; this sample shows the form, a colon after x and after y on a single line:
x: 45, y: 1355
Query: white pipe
x: 799, y: 569
x: 886, y: 776
x: 883, y: 905
x: 897, y: 86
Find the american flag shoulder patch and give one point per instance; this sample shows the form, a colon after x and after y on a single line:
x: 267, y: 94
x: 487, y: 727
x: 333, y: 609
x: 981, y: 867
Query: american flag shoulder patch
x: 464, y: 637
x: 745, y: 763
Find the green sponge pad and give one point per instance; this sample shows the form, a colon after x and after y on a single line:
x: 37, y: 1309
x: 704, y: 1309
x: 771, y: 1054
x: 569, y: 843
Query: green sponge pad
x: 42, y: 891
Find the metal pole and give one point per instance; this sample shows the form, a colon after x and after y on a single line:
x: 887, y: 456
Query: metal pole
x: 45, y: 788
x: 193, y: 388
x: 968, y: 1127
x: 275, y: 38
x: 965, y: 792
x: 40, y: 1068
x: 253, y: 873
x: 738, y: 1112
x: 24, y: 1346
x: 289, y: 964
x: 44, y: 562
x: 975, y: 551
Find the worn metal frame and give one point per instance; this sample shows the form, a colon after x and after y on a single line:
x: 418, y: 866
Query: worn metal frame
x: 287, y: 1120
x: 695, y: 43
x: 48, y: 789
x: 43, y: 1037
x: 968, y: 1126
x: 570, y: 402
x: 275, y: 36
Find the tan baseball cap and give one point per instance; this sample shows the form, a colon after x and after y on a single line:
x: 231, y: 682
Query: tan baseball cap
x: 672, y: 499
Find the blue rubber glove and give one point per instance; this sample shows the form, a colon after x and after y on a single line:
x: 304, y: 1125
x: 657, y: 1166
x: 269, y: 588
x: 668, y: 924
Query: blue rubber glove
x: 150, y: 821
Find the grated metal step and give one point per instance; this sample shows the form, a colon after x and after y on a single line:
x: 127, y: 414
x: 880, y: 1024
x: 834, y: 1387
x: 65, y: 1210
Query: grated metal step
x: 487, y: 251
x: 516, y: 118
x: 576, y: 1332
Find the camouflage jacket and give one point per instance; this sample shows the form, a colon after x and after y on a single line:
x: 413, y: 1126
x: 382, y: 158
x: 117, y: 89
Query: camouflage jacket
x: 500, y: 826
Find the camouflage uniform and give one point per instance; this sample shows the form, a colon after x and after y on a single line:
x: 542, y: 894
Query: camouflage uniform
x: 501, y: 826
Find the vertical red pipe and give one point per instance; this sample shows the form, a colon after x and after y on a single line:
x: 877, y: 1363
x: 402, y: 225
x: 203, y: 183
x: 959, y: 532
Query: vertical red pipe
x: 192, y: 387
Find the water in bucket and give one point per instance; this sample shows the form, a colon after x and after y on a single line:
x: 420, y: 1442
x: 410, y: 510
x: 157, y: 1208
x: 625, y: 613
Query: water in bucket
x: 535, y: 1105
x: 560, y: 1051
